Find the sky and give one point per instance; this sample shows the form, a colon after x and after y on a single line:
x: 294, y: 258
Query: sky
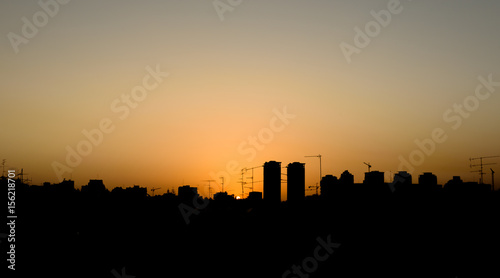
x: 168, y: 93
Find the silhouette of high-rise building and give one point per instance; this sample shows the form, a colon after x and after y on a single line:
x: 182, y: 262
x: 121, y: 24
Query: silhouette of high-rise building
x: 187, y: 193
x: 346, y: 178
x: 66, y: 186
x: 296, y: 182
x: 327, y: 184
x: 374, y: 183
x: 427, y: 179
x: 272, y: 182
x: 130, y: 193
x: 374, y: 177
x: 403, y: 178
x: 137, y: 191
x: 454, y: 184
x: 94, y: 187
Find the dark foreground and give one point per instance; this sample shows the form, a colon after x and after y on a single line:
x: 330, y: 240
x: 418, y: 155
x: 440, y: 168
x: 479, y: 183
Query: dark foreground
x: 355, y: 232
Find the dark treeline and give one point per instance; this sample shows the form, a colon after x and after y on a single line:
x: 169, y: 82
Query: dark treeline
x: 373, y: 229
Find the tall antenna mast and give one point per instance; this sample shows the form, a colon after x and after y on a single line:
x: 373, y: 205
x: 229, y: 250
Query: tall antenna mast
x: 243, y: 182
x: 209, y: 187
x: 222, y: 183
x: 251, y: 178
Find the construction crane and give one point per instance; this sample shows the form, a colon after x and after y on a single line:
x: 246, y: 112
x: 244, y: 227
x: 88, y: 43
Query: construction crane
x: 492, y: 180
x: 481, y: 164
x: 369, y: 166
x: 319, y: 156
x: 153, y: 190
x: 209, y: 187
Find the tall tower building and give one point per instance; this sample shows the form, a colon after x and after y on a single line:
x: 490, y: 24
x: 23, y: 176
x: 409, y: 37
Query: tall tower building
x: 296, y: 182
x: 272, y: 182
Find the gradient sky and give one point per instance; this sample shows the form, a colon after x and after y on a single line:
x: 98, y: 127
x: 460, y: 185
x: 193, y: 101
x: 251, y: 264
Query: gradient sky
x: 227, y: 76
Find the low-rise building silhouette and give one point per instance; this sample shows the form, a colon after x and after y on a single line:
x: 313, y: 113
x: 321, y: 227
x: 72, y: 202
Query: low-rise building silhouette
x: 403, y: 178
x: 255, y: 196
x: 187, y: 193
x: 136, y: 190
x: 95, y: 188
x: 223, y: 196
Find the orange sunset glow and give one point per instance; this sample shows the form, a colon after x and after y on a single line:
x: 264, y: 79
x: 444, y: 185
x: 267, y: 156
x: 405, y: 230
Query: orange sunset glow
x: 250, y: 138
x: 226, y: 77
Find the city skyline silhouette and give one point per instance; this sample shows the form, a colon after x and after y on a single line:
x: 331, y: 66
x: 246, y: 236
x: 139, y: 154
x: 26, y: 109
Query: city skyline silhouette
x: 278, y: 180
x: 238, y: 138
x: 68, y: 224
x: 383, y: 177
x: 199, y: 95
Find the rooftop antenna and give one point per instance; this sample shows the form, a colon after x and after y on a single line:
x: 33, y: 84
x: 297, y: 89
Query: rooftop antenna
x: 319, y: 156
x: 246, y: 169
x: 21, y: 175
x: 243, y: 182
x: 222, y: 183
x: 481, y: 164
x: 369, y: 166
x: 209, y: 187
